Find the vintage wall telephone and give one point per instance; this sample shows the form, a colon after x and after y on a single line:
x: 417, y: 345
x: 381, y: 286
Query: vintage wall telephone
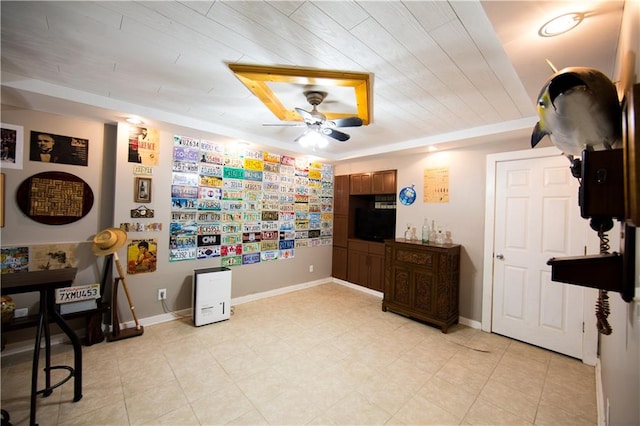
x: 608, y: 190
x: 601, y: 200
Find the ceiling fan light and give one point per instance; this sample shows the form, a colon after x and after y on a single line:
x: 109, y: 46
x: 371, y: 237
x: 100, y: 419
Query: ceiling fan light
x: 313, y: 139
x: 561, y: 24
x: 322, y: 142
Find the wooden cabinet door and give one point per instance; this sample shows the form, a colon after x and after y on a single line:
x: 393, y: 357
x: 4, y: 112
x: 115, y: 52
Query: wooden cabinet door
x: 425, y: 292
x: 358, y: 268
x: 341, y: 195
x: 360, y: 184
x: 398, y: 289
x: 340, y: 230
x: 376, y: 272
x: 339, y: 263
x: 384, y: 182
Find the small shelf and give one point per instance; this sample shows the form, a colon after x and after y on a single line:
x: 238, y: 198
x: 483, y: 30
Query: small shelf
x: 32, y: 320
x: 611, y: 271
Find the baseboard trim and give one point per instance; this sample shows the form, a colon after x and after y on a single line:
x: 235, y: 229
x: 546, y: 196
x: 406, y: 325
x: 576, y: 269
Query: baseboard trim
x: 601, y: 410
x: 170, y: 316
x: 277, y: 292
x: 462, y: 320
x: 359, y: 288
x: 470, y: 323
x: 26, y: 345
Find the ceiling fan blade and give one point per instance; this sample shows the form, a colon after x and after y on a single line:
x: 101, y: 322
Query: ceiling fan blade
x: 306, y: 115
x: 336, y: 134
x: 347, y: 122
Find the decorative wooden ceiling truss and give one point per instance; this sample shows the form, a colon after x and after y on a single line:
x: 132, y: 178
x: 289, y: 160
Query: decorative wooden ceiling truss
x: 260, y: 80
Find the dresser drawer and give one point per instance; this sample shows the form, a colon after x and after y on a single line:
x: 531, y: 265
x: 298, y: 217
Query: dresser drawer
x: 415, y: 257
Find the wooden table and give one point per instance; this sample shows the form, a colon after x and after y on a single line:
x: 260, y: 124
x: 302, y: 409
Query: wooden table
x: 46, y: 282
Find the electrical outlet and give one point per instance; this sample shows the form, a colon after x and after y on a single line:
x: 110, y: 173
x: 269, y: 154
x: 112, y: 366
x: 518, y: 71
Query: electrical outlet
x: 310, y: 268
x: 162, y: 293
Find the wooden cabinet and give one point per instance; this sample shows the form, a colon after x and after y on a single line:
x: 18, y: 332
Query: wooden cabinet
x: 339, y: 263
x: 366, y: 264
x: 421, y: 281
x: 340, y: 226
x: 341, y: 195
x: 383, y: 182
x: 358, y: 261
x: 340, y: 230
x: 341, y: 210
x: 360, y: 184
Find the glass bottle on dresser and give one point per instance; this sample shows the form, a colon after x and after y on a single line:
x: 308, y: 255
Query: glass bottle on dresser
x: 425, y: 231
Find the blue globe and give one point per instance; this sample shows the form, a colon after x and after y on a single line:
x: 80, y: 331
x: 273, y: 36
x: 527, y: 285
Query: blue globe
x: 407, y: 195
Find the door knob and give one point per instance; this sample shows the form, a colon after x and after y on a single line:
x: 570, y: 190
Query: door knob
x: 499, y: 256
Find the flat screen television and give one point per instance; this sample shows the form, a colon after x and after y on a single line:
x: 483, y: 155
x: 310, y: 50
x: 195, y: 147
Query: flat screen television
x: 375, y: 224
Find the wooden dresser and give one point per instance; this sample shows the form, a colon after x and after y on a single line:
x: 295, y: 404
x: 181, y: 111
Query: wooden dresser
x: 421, y: 281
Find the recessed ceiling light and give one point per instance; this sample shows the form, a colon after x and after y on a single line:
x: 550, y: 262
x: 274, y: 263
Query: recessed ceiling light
x: 134, y: 120
x: 561, y: 24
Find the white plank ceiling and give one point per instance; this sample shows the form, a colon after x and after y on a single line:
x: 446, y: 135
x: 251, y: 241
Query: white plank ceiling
x: 444, y: 71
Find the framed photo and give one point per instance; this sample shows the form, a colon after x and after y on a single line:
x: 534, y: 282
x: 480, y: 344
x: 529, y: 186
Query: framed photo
x: 51, y: 148
x: 12, y: 142
x: 142, y: 190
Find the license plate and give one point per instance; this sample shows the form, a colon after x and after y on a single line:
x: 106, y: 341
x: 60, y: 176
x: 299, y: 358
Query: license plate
x: 75, y: 294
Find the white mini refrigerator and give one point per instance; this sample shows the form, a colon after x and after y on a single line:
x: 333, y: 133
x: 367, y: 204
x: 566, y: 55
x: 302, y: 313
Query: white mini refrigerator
x: 211, y: 295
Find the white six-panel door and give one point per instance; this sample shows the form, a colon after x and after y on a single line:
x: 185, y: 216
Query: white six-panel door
x: 537, y: 217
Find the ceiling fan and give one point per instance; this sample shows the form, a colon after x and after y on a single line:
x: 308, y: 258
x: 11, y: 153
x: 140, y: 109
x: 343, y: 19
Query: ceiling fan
x: 318, y: 124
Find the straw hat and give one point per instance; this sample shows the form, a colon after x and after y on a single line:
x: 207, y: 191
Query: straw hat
x: 108, y: 241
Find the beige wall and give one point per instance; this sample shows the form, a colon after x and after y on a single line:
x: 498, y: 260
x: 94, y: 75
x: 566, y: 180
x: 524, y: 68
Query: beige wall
x: 620, y: 351
x: 176, y: 276
x: 20, y: 230
x: 463, y: 215
x: 111, y: 178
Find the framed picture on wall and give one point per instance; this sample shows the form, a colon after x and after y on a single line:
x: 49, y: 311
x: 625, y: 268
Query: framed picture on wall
x: 54, y: 198
x: 142, y: 190
x: 11, y: 150
x: 51, y: 148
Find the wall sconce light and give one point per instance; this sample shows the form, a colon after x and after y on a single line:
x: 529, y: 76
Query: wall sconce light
x: 561, y: 24
x: 134, y: 120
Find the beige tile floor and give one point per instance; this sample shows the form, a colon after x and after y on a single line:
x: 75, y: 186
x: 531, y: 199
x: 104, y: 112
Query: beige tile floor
x: 326, y: 355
